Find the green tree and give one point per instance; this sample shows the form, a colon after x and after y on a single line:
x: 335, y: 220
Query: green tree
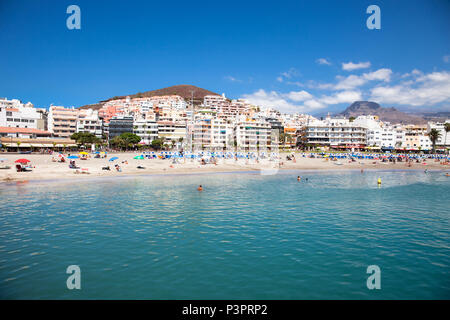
x: 130, y: 139
x: 157, y: 144
x: 282, y: 139
x: 117, y: 142
x: 447, y: 129
x: 18, y: 145
x: 83, y: 138
x: 434, y: 136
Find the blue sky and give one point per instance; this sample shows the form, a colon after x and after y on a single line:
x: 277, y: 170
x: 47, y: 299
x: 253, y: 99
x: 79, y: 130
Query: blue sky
x: 299, y: 56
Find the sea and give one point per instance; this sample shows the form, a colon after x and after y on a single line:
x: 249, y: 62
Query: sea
x: 331, y: 235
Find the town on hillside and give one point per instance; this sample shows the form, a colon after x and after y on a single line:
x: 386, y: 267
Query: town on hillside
x: 172, y: 122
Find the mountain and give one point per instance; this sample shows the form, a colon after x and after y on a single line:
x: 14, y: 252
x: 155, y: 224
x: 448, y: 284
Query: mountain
x: 392, y: 115
x: 183, y: 90
x: 439, y: 116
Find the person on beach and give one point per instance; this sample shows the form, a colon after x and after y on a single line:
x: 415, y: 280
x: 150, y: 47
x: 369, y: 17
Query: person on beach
x: 200, y: 188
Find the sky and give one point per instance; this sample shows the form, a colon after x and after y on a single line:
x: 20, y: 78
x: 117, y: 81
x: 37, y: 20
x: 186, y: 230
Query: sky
x: 297, y: 56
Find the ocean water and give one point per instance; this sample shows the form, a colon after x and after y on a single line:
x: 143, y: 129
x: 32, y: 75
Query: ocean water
x: 246, y: 236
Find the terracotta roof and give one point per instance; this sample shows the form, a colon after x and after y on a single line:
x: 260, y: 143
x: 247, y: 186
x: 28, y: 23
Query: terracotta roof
x: 12, y: 109
x: 23, y: 130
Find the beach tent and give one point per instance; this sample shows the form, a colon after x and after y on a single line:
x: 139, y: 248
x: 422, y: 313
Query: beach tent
x: 139, y: 157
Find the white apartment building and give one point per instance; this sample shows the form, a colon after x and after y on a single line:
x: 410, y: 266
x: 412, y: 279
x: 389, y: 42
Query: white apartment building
x: 212, y: 134
x: 147, y: 130
x: 336, y: 133
x: 89, y: 121
x: 214, y: 101
x: 253, y: 135
x: 171, y: 131
x: 379, y: 134
x: 14, y: 113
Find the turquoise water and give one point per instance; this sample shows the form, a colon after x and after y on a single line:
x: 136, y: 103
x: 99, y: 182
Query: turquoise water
x: 246, y: 236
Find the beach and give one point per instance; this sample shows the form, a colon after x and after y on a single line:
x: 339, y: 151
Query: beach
x: 44, y: 169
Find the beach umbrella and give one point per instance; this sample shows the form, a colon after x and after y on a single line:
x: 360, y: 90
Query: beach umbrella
x: 113, y: 158
x: 139, y: 158
x: 72, y: 157
x: 83, y: 152
x: 22, y: 161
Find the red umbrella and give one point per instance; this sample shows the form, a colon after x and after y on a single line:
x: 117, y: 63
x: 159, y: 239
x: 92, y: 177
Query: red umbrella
x: 22, y: 161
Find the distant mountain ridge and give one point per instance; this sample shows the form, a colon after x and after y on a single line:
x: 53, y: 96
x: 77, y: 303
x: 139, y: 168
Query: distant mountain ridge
x: 392, y: 115
x: 183, y: 90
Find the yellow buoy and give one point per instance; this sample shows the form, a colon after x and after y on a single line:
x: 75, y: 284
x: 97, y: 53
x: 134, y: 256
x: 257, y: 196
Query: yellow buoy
x: 379, y: 180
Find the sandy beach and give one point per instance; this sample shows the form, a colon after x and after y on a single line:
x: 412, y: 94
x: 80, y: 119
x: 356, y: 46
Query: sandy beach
x: 44, y: 169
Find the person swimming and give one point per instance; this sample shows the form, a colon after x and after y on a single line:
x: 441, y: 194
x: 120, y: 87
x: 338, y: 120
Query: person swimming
x: 298, y: 178
x: 200, y: 188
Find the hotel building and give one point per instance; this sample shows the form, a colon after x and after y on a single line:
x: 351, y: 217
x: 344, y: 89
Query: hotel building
x: 336, y: 133
x: 62, y: 122
x: 147, y: 130
x: 15, y: 114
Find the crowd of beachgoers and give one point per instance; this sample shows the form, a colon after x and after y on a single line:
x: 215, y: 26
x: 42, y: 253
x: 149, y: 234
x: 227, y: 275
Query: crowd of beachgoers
x: 58, y: 165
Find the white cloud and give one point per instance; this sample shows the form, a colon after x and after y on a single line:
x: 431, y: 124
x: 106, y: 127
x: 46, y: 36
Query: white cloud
x: 342, y: 97
x: 271, y: 100
x: 232, y: 79
x: 426, y: 90
x: 353, y: 81
x: 350, y: 66
x: 323, y: 61
x: 381, y: 75
x: 291, y: 73
x: 287, y: 102
x: 350, y: 82
x: 298, y: 95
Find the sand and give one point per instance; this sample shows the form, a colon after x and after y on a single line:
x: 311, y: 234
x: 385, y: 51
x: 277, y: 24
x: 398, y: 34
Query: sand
x: 44, y: 169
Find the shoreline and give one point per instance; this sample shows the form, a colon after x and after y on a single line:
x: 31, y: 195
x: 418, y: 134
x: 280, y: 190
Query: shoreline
x: 46, y: 170
x: 91, y: 178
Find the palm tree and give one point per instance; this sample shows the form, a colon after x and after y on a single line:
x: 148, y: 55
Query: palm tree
x: 18, y: 145
x: 434, y: 136
x: 282, y: 139
x: 447, y: 129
